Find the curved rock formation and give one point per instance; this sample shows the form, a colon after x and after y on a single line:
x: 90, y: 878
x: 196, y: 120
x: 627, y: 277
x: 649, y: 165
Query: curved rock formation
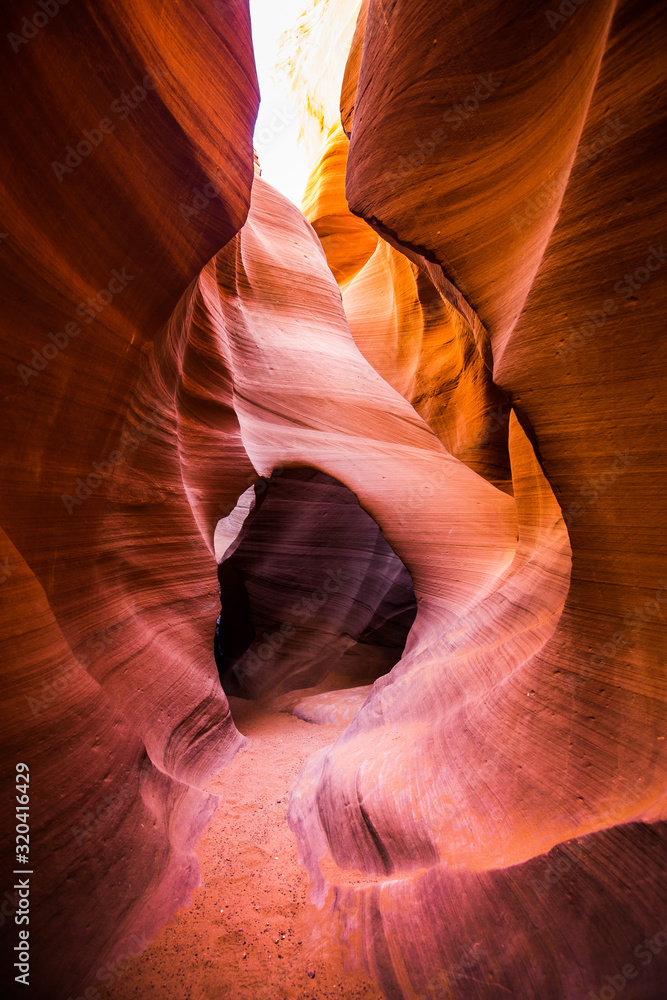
x: 491, y: 823
x: 408, y: 331
x: 120, y: 120
x: 487, y: 604
x: 491, y: 175
x: 224, y: 374
x: 325, y: 592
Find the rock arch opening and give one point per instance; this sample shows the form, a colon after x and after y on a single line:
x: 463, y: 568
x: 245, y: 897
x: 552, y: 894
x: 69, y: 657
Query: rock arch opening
x: 312, y: 595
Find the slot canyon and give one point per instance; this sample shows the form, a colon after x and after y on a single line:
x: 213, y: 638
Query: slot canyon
x: 333, y: 564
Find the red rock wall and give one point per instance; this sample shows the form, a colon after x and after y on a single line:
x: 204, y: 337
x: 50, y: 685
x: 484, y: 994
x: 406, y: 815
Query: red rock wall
x: 529, y: 706
x: 409, y: 332
x: 126, y: 164
x: 513, y: 155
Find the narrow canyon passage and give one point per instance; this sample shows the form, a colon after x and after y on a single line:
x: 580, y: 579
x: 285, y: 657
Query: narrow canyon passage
x: 247, y: 934
x: 389, y: 407
x: 309, y: 588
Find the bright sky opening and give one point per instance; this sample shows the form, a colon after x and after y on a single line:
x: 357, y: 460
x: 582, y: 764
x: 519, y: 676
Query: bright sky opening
x: 318, y: 53
x: 283, y: 160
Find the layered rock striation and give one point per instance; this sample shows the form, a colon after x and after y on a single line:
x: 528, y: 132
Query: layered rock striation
x: 126, y: 164
x: 452, y: 361
x: 510, y: 157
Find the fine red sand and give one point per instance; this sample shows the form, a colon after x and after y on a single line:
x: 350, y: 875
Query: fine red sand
x: 246, y: 934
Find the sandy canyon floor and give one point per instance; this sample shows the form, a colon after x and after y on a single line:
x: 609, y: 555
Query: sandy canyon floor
x: 247, y: 934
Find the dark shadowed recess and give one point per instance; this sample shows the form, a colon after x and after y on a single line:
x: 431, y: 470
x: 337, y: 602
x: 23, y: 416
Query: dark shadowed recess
x: 311, y: 593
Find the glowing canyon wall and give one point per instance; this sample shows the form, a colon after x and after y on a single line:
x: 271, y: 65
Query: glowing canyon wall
x: 127, y: 163
x: 464, y: 333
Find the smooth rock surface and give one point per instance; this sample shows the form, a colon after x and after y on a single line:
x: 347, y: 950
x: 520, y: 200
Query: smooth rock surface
x: 119, y: 121
x: 465, y: 347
